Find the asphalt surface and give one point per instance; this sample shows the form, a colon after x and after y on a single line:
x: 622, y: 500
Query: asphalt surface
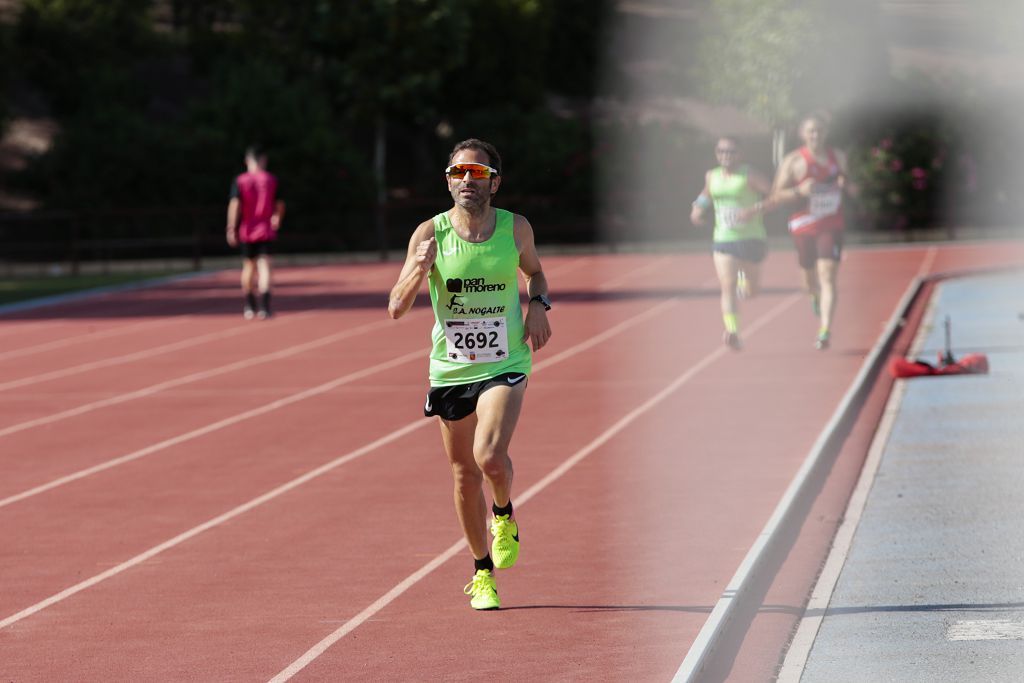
x: 932, y: 588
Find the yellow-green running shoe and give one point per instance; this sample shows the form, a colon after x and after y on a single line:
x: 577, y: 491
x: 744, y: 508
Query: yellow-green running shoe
x: 505, y: 546
x: 483, y: 591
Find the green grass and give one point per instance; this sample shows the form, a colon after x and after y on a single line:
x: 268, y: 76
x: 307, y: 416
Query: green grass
x: 23, y: 289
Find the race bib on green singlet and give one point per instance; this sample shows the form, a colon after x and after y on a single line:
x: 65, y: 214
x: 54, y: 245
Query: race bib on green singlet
x: 476, y: 340
x: 728, y: 217
x: 825, y: 200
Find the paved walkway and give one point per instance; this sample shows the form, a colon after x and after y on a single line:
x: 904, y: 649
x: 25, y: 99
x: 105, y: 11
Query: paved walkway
x: 932, y: 587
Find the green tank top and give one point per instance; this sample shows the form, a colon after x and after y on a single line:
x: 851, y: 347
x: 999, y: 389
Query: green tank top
x: 731, y: 193
x: 478, y: 321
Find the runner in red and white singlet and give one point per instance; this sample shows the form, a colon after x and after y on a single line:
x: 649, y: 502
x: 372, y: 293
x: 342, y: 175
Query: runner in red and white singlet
x: 815, y: 175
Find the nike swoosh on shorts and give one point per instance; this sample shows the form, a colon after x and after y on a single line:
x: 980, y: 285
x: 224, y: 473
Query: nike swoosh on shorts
x: 515, y: 380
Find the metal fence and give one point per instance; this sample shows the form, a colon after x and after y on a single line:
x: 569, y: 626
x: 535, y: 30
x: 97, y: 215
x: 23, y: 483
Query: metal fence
x: 97, y: 239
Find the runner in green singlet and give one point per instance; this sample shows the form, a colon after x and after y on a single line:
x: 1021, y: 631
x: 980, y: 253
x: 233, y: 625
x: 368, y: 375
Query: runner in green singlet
x: 481, y: 357
x: 733, y: 190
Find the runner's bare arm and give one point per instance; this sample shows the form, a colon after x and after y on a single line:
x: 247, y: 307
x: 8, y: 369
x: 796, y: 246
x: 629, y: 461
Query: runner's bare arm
x: 419, y: 260
x: 845, y: 182
x: 536, y: 327
x: 702, y: 202
x: 759, y: 183
x: 275, y: 220
x: 232, y: 230
x: 763, y: 187
x: 785, y: 188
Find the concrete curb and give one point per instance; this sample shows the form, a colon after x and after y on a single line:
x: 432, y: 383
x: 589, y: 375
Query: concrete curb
x: 811, y: 473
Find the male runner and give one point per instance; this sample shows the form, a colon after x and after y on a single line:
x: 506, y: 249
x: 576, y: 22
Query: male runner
x: 255, y: 211
x: 480, y: 360
x: 816, y: 175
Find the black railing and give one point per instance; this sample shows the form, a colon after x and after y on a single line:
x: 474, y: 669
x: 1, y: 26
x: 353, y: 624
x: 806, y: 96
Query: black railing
x: 100, y: 237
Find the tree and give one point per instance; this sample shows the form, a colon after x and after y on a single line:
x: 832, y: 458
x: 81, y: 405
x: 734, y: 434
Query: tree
x: 777, y: 59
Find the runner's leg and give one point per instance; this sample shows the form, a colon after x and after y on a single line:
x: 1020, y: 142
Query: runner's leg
x: 827, y: 271
x: 248, y: 270
x: 807, y: 256
x: 470, y: 505
x: 497, y: 412
x: 753, y: 271
x: 726, y: 267
x: 263, y: 267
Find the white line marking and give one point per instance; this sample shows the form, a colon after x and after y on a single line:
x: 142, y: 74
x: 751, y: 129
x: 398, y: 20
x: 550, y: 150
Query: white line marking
x: 927, y: 262
x: 628, y: 277
x: 126, y: 358
x: 821, y: 595
x: 213, y: 427
x: 209, y: 524
x: 814, y: 614
x: 186, y: 379
x: 255, y: 502
x: 986, y: 629
x: 135, y: 455
x: 88, y: 337
x: 310, y: 655
x: 716, y: 622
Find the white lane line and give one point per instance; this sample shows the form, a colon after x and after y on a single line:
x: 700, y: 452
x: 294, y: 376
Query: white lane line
x: 12, y: 327
x: 715, y: 624
x: 927, y: 262
x: 986, y: 629
x: 314, y: 652
x: 186, y: 379
x: 274, y: 493
x: 216, y: 521
x: 125, y: 358
x: 821, y: 595
x: 630, y: 276
x: 81, y: 337
x: 814, y: 614
x: 213, y: 427
x: 75, y: 476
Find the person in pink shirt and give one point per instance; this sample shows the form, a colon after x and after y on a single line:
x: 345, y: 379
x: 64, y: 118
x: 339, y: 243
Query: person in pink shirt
x: 255, y: 211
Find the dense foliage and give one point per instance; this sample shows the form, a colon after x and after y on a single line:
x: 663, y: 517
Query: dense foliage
x: 157, y: 100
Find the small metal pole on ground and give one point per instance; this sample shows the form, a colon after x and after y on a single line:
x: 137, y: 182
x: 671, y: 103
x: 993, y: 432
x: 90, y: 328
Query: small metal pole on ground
x: 948, y: 358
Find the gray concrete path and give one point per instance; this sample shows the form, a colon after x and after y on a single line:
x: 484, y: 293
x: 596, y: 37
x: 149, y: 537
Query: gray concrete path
x: 932, y: 588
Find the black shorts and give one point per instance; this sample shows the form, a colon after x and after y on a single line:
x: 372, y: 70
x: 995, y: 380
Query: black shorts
x: 254, y: 249
x: 827, y: 244
x: 458, y: 401
x: 745, y: 250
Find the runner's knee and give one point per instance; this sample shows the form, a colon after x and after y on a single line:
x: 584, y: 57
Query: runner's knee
x: 493, y: 462
x: 466, y: 477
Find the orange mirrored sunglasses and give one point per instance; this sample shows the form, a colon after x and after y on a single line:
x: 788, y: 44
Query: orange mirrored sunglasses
x: 475, y: 171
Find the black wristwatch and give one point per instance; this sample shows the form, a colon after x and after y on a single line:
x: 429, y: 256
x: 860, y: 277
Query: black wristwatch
x: 544, y: 301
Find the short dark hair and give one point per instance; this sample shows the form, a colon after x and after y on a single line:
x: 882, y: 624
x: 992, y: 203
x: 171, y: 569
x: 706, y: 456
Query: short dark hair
x: 818, y: 116
x: 255, y: 151
x: 479, y: 145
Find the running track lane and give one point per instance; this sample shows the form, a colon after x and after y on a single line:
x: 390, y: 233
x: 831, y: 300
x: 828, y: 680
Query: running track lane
x: 295, y: 557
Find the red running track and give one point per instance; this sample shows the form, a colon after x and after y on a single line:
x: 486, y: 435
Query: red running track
x: 190, y: 496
